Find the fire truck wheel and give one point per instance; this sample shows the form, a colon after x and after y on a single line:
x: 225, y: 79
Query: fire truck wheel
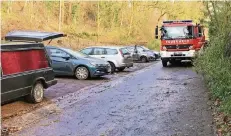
x: 164, y: 63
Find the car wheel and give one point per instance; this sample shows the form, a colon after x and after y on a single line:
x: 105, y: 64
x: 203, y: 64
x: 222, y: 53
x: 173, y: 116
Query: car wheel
x: 121, y: 69
x: 144, y: 59
x: 112, y: 67
x: 164, y: 63
x: 81, y: 73
x: 37, y: 93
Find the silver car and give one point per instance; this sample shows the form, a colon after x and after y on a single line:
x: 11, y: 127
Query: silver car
x: 141, y: 53
x: 118, y: 57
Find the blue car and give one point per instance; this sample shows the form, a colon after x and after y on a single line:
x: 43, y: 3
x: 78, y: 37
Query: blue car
x: 65, y: 61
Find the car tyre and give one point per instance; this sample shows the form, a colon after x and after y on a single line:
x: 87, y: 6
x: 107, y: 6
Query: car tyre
x: 164, y: 63
x: 112, y: 66
x: 121, y: 69
x: 37, y: 93
x: 82, y: 73
x: 144, y: 59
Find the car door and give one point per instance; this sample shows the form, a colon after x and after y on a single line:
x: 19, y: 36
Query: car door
x: 136, y: 55
x: 99, y: 53
x: 111, y: 55
x: 60, y: 61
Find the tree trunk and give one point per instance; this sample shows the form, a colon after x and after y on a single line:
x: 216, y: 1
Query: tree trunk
x: 31, y: 11
x: 122, y: 18
x: 9, y: 7
x: 98, y: 21
x: 162, y: 14
x: 69, y: 13
x: 63, y: 12
x: 215, y: 14
x: 60, y: 15
x: 131, y: 19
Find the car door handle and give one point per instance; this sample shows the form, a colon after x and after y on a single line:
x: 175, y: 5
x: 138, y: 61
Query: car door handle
x: 102, y: 57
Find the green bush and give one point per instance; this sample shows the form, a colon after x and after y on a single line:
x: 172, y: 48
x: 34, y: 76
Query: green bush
x: 154, y: 45
x: 214, y: 63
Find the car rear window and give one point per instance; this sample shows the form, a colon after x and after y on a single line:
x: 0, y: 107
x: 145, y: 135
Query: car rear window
x: 111, y: 51
x: 124, y: 51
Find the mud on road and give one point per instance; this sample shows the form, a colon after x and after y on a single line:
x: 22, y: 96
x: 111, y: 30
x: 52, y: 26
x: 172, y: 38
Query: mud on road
x: 65, y: 85
x: 154, y: 101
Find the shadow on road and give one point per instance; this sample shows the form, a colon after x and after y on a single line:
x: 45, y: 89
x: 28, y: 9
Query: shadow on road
x: 74, y: 78
x: 181, y: 64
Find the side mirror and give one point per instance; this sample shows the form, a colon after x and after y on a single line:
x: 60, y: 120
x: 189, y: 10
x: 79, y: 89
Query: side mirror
x: 156, y: 32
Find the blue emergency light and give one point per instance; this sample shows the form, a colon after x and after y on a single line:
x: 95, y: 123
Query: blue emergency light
x: 178, y: 21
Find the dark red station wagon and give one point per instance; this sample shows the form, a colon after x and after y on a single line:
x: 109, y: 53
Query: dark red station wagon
x: 25, y: 65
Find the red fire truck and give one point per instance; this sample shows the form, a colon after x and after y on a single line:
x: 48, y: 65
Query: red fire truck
x: 180, y: 40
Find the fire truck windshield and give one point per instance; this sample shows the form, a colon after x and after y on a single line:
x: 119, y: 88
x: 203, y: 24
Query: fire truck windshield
x: 174, y: 32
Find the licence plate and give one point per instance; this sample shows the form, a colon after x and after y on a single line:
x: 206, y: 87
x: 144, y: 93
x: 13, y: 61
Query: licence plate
x: 178, y: 53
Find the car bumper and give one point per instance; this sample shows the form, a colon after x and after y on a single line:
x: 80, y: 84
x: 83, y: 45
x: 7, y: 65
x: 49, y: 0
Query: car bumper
x: 177, y: 54
x: 100, y: 72
x: 130, y: 64
x: 50, y: 83
x: 151, y: 58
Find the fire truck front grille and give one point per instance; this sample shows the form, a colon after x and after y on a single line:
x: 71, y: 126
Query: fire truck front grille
x: 183, y: 46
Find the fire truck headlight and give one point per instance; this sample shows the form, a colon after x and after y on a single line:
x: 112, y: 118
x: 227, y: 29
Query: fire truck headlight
x: 191, y: 47
x: 164, y: 48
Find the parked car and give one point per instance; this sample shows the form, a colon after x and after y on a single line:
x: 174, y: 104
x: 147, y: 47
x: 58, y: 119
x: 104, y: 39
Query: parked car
x: 68, y: 62
x: 25, y: 66
x: 141, y: 53
x: 118, y: 57
x: 157, y: 53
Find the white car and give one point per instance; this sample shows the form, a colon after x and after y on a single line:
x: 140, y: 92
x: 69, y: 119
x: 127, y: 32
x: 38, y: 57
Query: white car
x: 118, y: 57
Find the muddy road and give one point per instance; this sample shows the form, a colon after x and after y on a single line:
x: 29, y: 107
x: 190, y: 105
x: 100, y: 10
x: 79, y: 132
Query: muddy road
x: 154, y: 101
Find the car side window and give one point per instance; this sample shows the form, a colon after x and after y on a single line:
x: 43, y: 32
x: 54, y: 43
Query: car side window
x: 140, y: 49
x: 57, y: 53
x: 99, y: 51
x: 87, y: 51
x: 131, y: 49
x: 111, y: 52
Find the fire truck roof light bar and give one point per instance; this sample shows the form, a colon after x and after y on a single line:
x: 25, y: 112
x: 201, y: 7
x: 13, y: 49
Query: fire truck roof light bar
x: 171, y: 21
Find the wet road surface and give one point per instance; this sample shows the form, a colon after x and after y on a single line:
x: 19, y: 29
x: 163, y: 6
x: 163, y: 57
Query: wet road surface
x: 155, y: 101
x: 65, y: 85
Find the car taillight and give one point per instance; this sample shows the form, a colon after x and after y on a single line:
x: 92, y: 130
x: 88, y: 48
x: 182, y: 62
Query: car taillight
x: 164, y: 48
x: 121, y: 53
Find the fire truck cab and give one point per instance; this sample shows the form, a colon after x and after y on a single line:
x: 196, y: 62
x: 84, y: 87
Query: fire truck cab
x: 180, y: 40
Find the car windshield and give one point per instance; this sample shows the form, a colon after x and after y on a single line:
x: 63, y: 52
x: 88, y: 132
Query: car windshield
x: 75, y: 53
x: 145, y: 48
x: 171, y: 32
